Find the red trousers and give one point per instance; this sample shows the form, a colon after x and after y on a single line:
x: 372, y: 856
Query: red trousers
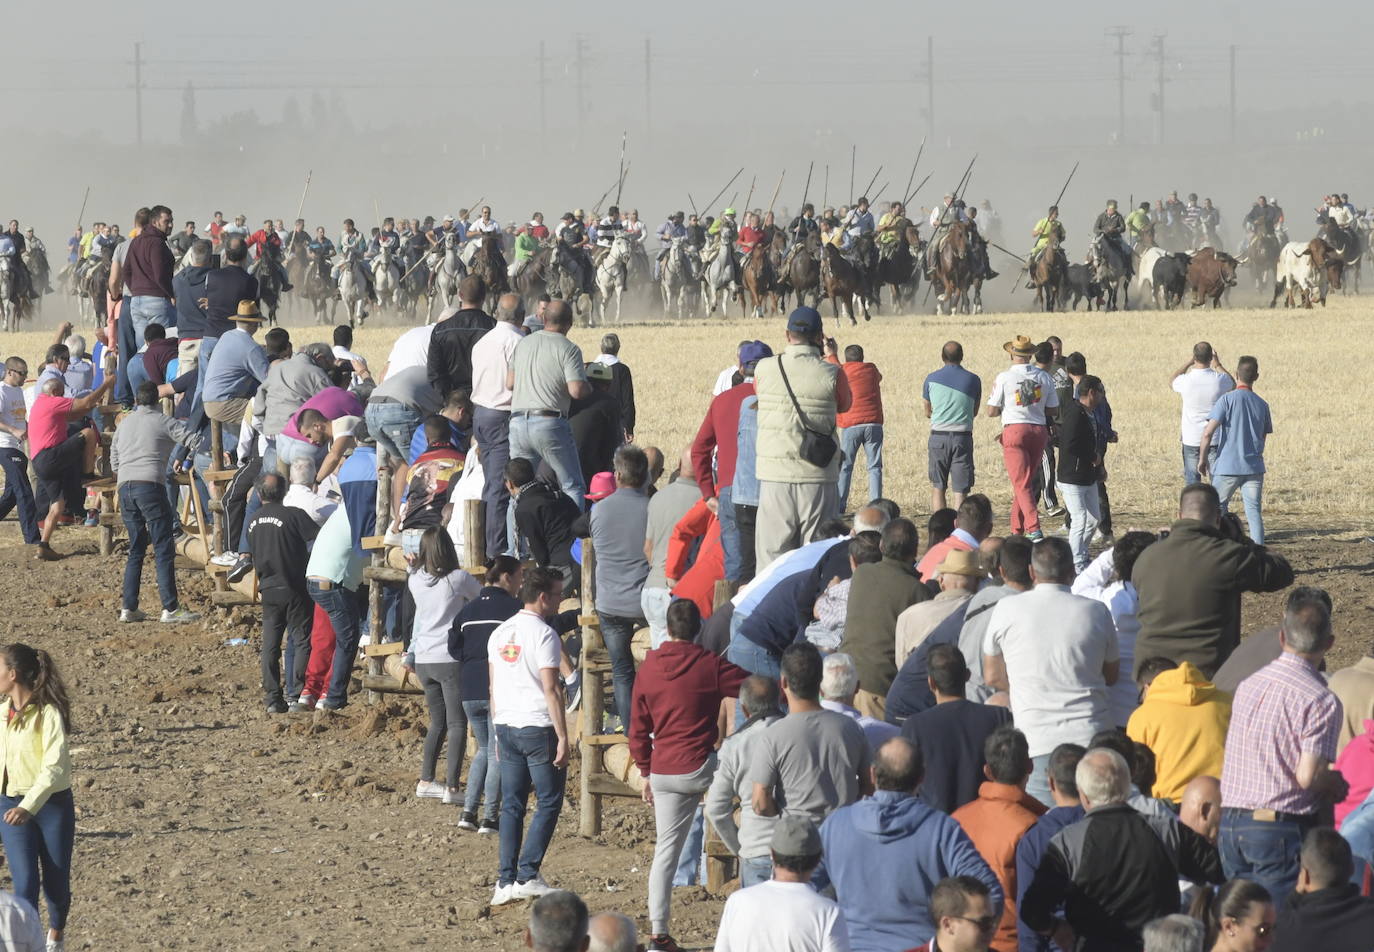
x: 321, y: 655
x: 1022, y: 445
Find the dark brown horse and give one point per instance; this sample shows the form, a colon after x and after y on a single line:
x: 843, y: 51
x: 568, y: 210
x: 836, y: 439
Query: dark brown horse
x: 842, y: 282
x: 760, y: 280
x: 955, y: 269
x: 1049, y: 273
x: 491, y: 265
x: 804, y: 272
x: 897, y: 270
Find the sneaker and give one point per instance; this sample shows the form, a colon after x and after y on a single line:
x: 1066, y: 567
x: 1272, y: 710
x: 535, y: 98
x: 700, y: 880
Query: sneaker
x: 242, y: 566
x: 92, y: 518
x: 181, y: 615
x: 328, y: 706
x: 468, y: 822
x: 452, y: 797
x: 306, y: 701
x: 532, y: 888
x: 572, y: 688
x: 225, y: 558
x: 1104, y: 538
x: 488, y: 828
x: 127, y: 615
x: 1055, y: 511
x: 503, y: 894
x: 276, y: 707
x: 56, y: 945
x: 663, y: 943
x: 428, y: 789
x: 296, y: 707
x: 1036, y: 536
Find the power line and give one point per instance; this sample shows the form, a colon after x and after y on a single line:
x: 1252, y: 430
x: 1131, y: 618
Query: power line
x: 1120, y: 32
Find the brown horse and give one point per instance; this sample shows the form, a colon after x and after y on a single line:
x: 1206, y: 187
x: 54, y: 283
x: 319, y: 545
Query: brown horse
x: 841, y: 281
x: 897, y: 271
x: 491, y: 265
x: 760, y: 280
x: 955, y: 269
x: 1049, y: 273
x: 804, y: 273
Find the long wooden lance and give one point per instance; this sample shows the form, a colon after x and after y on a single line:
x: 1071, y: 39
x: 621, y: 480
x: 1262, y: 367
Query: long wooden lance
x: 712, y: 203
x: 866, y: 191
x: 306, y: 191
x: 919, y: 186
x: 1026, y: 265
x: 914, y: 165
x: 853, y: 155
x: 82, y: 214
x: 620, y: 182
x: 774, y: 199
x: 748, y: 198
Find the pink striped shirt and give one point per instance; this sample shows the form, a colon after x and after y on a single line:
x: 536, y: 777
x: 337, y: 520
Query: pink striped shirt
x: 1280, y: 712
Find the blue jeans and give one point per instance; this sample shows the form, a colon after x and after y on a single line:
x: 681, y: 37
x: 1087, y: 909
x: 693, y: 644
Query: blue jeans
x: 1251, y: 490
x: 484, y: 774
x: 549, y: 439
x: 617, y: 631
x: 754, y: 870
x: 1038, y: 785
x: 869, y: 437
x: 290, y: 449
x: 207, y: 347
x: 19, y: 493
x: 137, y: 373
x: 1085, y: 513
x: 526, y: 757
x: 1264, y: 852
x: 148, y: 517
x: 146, y: 309
x: 128, y: 349
x: 491, y: 428
x: 1190, y: 454
x: 341, y: 606
x: 752, y: 657
x: 393, y: 425
x: 729, y: 532
x: 40, y: 852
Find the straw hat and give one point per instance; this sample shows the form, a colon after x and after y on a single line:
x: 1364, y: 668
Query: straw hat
x: 248, y: 311
x: 1020, y: 346
x: 960, y: 562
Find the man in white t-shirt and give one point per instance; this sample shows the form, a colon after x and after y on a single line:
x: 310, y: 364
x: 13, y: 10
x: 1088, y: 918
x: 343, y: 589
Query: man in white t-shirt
x: 1057, y: 654
x: 785, y: 914
x: 412, y: 348
x: 14, y: 430
x: 1021, y: 396
x: 527, y: 711
x: 1201, y: 383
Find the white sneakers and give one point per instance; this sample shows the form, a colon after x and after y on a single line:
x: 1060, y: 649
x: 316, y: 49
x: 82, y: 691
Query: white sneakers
x: 131, y: 615
x: 514, y: 892
x: 180, y: 615
x: 225, y: 558
x: 503, y: 894
x: 430, y: 789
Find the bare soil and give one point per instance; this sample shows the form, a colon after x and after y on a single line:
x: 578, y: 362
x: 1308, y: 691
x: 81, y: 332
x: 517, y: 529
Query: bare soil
x: 205, y: 824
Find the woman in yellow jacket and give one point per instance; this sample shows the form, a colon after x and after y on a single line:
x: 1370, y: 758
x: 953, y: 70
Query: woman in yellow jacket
x: 39, y: 820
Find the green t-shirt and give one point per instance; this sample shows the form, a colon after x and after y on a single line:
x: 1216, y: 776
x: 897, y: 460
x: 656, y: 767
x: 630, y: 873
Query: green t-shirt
x: 544, y: 364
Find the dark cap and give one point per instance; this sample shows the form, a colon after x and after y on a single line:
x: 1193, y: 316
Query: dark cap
x: 804, y: 320
x: 753, y: 352
x: 795, y: 836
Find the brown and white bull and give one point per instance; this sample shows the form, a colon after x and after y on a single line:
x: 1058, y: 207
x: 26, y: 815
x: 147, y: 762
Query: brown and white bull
x: 1297, y: 274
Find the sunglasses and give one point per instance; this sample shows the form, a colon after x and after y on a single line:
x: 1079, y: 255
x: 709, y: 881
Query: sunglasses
x: 985, y: 924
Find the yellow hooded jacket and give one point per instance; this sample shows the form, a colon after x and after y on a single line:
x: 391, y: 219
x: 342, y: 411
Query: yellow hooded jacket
x: 1183, y: 719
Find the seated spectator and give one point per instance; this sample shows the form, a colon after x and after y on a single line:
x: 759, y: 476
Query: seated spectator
x: 1108, y: 579
x: 1276, y: 780
x: 1057, y: 654
x: 1354, y: 688
x: 885, y: 854
x: 544, y: 519
x: 1240, y: 917
x: 813, y: 760
x: 1010, y: 570
x: 1114, y: 870
x: 1326, y: 910
x: 1174, y: 933
x: 747, y: 838
x: 1182, y: 718
x: 839, y: 684
x: 430, y: 478
x: 961, y: 909
x: 558, y: 923
x: 999, y: 817
x: 784, y: 914
x: 879, y: 593
x: 1189, y: 584
x: 972, y: 524
x: 940, y: 526
x: 952, y: 734
x: 827, y: 630
x: 960, y: 574
x: 1030, y: 850
x: 612, y: 932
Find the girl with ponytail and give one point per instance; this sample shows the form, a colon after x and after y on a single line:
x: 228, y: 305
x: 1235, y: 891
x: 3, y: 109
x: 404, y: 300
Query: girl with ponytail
x: 36, y: 800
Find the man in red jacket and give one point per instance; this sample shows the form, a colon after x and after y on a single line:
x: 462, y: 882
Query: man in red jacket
x: 861, y: 426
x: 677, y: 696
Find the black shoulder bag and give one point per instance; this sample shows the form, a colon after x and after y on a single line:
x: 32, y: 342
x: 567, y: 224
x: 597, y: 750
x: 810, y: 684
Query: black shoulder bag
x: 817, y: 448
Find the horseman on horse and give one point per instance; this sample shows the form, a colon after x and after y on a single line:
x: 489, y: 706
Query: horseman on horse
x: 1109, y: 237
x: 801, y: 228
x: 978, y: 243
x: 268, y: 245
x: 570, y: 253
x: 12, y: 249
x: 890, y: 229
x: 858, y: 224
x: 669, y: 230
x: 1138, y: 224
x: 351, y: 240
x: 722, y: 233
x: 1049, y: 227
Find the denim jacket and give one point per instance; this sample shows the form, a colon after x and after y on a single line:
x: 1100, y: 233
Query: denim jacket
x: 745, y: 490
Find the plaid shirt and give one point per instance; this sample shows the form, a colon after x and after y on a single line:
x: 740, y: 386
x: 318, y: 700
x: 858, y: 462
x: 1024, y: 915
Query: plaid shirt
x: 1281, y: 712
x: 833, y: 603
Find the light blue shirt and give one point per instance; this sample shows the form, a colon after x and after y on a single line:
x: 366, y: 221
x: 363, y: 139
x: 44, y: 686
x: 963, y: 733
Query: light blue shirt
x: 237, y: 365
x: 333, y: 556
x: 1245, y: 423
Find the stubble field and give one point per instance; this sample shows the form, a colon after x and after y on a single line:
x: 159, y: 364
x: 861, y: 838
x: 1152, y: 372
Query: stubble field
x: 205, y: 825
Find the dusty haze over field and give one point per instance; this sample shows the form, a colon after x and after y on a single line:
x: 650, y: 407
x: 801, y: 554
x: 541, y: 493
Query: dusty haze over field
x: 427, y: 106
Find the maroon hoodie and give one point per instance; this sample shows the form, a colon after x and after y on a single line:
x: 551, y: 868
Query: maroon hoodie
x: 678, y: 690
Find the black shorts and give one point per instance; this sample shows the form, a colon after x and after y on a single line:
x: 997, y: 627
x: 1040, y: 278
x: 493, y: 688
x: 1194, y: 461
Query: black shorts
x: 58, y: 468
x: 950, y: 463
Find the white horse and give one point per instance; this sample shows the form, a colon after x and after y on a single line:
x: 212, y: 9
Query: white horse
x: 386, y: 278
x: 448, y: 269
x: 676, y: 277
x: 11, y: 307
x: 719, y: 284
x: 354, y: 298
x: 1145, y: 274
x: 611, y: 273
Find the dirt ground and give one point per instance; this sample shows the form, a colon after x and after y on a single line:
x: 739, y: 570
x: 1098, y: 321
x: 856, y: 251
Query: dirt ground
x: 204, y: 824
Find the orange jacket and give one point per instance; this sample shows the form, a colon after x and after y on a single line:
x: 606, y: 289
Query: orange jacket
x: 867, y: 399
x: 995, y: 822
x: 699, y: 581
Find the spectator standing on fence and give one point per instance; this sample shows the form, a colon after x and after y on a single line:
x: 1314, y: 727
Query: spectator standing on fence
x: 672, y: 731
x: 527, y: 703
x: 278, y: 538
x: 14, y: 430
x: 799, y: 394
x: 619, y: 526
x: 497, y: 602
x: 861, y: 426
x: 143, y: 443
x: 1022, y: 396
x: 951, y: 396
x: 39, y: 818
x: 546, y: 375
x: 491, y: 408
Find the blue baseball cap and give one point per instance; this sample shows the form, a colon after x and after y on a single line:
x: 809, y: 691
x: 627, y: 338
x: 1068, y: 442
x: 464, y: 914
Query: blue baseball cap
x: 804, y: 320
x: 753, y: 352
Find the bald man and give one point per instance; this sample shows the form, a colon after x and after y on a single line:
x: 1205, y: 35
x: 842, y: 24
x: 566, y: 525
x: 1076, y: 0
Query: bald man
x: 1200, y: 808
x: 613, y: 932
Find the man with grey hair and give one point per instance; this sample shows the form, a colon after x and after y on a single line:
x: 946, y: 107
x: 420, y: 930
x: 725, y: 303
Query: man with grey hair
x: 302, y: 494
x: 80, y: 373
x: 1115, y: 870
x: 613, y: 932
x: 748, y: 837
x: 839, y: 684
x: 491, y: 403
x: 558, y: 923
x: 1174, y: 933
x: 1276, y: 777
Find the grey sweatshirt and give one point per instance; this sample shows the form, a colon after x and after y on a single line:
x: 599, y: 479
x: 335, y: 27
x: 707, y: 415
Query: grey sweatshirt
x: 289, y: 384
x: 143, y: 443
